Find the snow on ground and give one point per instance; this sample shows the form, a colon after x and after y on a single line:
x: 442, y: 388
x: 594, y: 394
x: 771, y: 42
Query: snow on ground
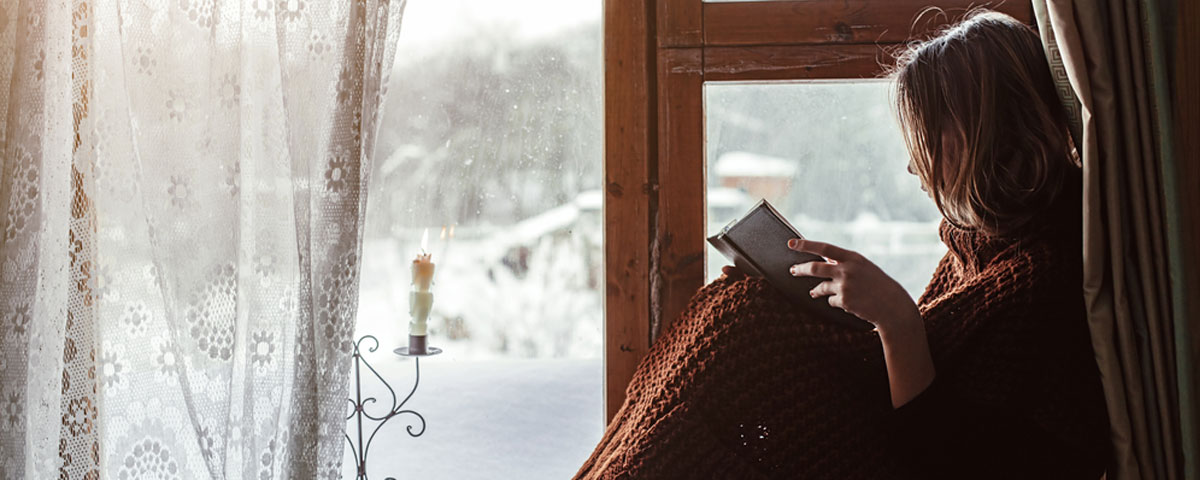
x: 496, y: 419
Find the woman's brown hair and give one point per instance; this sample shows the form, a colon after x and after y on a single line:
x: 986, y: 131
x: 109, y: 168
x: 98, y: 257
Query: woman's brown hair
x: 983, y: 123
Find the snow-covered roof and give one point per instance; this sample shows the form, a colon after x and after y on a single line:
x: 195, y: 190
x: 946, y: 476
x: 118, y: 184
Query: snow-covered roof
x: 727, y: 197
x: 528, y: 231
x: 746, y: 164
x: 590, y: 199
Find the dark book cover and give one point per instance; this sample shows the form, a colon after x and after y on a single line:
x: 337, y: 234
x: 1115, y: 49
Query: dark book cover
x: 757, y: 245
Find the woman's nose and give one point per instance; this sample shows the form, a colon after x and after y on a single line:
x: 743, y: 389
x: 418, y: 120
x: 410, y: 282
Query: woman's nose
x: 911, y: 170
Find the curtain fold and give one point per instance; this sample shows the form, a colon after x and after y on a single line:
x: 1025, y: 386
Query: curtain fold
x: 48, y: 398
x: 1112, y: 57
x: 183, y: 189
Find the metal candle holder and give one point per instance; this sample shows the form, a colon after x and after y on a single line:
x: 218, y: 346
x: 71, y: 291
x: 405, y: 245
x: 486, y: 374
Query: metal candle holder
x: 359, y: 403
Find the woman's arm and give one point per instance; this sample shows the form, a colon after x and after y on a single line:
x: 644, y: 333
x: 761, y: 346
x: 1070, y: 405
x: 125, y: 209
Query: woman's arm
x: 906, y: 353
x: 859, y: 287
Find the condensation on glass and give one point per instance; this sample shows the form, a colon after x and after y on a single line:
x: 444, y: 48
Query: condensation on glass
x: 492, y: 140
x: 830, y: 156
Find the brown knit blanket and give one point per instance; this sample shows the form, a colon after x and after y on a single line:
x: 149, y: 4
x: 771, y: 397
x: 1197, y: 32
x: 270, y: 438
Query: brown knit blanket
x: 744, y: 386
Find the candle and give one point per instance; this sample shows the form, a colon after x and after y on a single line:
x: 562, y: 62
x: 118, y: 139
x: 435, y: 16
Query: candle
x: 420, y: 300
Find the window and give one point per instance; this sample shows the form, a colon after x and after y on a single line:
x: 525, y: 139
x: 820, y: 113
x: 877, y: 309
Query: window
x: 663, y: 62
x: 491, y: 142
x: 830, y: 156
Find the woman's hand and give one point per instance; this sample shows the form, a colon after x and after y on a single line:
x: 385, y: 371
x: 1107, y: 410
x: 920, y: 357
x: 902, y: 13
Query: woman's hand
x: 856, y: 285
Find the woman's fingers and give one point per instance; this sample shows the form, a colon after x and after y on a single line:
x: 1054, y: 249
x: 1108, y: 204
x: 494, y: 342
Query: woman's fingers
x: 824, y: 289
x: 823, y: 249
x: 732, y: 272
x: 814, y: 269
x: 830, y: 289
x: 835, y: 301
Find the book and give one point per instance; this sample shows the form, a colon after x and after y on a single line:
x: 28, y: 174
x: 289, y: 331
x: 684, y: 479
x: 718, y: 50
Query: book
x: 757, y: 245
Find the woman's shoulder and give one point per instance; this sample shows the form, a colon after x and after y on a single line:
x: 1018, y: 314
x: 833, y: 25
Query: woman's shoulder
x: 1025, y: 285
x: 1048, y: 252
x: 1003, y: 267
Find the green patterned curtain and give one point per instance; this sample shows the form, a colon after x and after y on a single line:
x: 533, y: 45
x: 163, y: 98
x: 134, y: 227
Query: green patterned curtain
x: 1109, y: 59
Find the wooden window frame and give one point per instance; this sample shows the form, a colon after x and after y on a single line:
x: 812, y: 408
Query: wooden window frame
x: 657, y: 56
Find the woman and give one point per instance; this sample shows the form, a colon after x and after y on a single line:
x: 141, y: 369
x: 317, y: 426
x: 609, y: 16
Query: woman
x: 990, y: 375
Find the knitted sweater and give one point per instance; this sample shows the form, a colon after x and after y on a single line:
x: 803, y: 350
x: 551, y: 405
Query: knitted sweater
x: 743, y: 385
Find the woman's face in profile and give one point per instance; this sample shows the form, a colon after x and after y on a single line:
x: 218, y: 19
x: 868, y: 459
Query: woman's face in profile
x: 913, y: 171
x: 950, y: 151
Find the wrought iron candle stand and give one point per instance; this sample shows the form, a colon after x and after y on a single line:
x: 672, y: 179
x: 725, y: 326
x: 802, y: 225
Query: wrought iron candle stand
x: 359, y: 404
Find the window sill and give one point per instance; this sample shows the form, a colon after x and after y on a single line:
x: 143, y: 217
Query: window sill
x: 486, y: 418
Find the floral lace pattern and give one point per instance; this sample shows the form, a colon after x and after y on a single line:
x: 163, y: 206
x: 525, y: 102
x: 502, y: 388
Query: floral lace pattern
x: 179, y: 255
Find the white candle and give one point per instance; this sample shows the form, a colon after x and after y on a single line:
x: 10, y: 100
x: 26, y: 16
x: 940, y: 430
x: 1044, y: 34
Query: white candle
x: 421, y: 299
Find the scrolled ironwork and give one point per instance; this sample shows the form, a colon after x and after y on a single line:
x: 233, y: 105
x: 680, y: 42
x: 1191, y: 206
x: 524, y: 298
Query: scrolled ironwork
x: 359, y: 406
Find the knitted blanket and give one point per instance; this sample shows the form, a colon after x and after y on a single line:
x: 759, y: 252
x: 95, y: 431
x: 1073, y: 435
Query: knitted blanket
x: 743, y: 385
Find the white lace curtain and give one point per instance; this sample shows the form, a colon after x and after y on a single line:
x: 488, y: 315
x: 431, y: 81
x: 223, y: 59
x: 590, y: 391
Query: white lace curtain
x: 183, y: 185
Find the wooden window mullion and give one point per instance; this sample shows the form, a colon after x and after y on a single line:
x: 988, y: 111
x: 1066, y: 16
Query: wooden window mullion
x: 630, y: 141
x: 679, y: 236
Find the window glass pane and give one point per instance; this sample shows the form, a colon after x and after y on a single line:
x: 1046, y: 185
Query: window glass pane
x: 492, y: 134
x: 831, y: 158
